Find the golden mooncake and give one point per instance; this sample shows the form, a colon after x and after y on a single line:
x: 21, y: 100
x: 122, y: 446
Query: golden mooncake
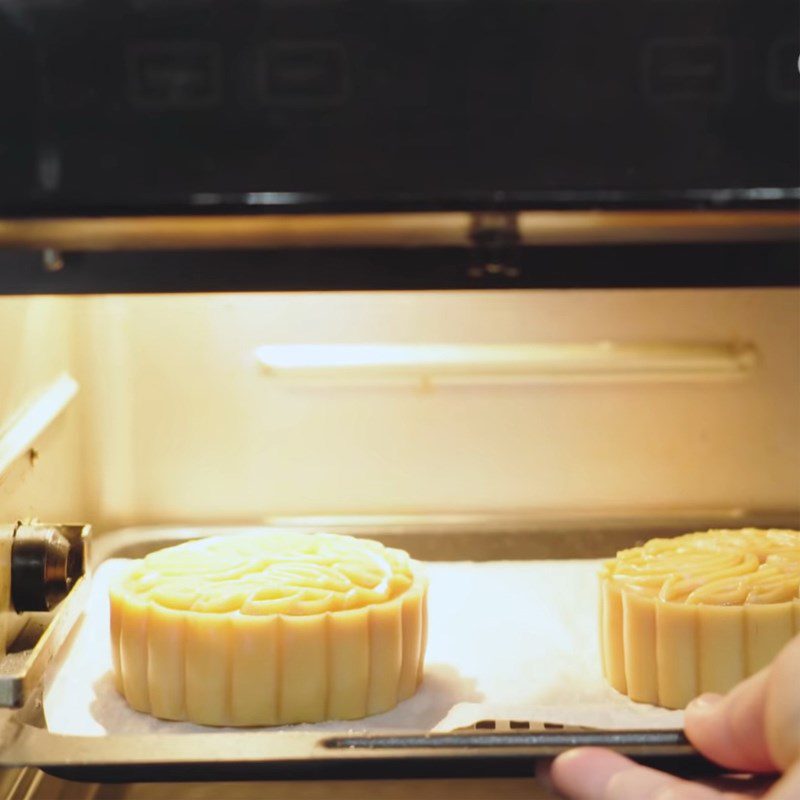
x: 269, y: 628
x: 697, y: 613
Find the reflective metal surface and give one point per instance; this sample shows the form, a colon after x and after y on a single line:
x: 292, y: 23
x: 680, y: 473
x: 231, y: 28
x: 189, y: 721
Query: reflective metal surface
x: 46, y: 562
x: 415, y: 229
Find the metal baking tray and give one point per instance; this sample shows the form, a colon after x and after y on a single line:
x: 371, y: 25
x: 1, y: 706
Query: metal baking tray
x: 490, y: 748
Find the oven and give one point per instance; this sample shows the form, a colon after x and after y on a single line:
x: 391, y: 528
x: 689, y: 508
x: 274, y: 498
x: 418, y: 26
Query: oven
x: 509, y: 287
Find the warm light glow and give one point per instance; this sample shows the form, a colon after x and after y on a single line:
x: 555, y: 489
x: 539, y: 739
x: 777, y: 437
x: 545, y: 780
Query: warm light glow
x: 508, y: 362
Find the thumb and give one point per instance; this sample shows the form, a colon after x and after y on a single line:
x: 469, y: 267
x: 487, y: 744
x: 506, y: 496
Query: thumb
x: 756, y: 726
x: 730, y: 730
x: 782, y: 711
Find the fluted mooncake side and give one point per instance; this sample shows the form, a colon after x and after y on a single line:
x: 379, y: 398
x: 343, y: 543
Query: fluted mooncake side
x: 697, y: 613
x: 269, y: 628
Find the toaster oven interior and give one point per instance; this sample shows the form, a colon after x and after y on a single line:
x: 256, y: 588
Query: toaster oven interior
x: 582, y: 329
x: 488, y: 425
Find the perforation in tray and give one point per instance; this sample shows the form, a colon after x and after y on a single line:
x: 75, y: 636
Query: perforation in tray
x: 503, y: 725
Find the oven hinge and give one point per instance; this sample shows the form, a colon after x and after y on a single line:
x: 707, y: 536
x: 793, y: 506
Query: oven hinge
x: 495, y: 238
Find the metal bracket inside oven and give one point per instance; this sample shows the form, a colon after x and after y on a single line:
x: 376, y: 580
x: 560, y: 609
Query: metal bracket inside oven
x: 49, y: 622
x: 39, y: 641
x: 495, y: 237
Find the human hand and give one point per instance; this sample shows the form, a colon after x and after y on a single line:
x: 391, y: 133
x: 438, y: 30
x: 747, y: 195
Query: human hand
x: 754, y: 728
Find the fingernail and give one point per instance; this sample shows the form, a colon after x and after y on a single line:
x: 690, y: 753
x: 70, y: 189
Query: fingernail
x: 705, y: 703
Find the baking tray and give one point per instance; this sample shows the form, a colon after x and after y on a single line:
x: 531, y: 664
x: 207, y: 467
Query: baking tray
x: 491, y: 748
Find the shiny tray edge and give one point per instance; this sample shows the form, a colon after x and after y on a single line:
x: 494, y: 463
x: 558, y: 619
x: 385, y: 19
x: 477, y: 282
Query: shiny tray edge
x: 468, y: 537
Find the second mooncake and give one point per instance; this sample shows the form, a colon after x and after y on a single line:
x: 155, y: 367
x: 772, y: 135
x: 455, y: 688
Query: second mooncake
x: 698, y: 613
x: 269, y: 628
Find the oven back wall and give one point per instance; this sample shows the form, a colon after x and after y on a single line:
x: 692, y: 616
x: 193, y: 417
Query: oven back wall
x: 181, y: 423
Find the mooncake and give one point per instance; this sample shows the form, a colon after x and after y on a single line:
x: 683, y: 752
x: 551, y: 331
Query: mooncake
x: 269, y: 628
x: 697, y: 613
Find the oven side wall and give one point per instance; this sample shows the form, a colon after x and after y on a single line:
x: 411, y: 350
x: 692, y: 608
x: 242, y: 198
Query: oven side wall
x: 40, y: 422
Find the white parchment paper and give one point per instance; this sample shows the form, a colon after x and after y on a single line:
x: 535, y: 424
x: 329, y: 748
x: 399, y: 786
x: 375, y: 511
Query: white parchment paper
x: 507, y: 640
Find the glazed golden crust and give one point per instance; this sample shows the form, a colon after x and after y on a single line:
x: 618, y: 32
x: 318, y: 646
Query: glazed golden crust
x: 268, y: 629
x: 697, y: 613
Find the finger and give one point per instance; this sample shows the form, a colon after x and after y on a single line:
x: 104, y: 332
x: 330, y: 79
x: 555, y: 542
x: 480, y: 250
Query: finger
x: 542, y: 771
x: 583, y: 774
x: 642, y: 783
x: 594, y: 774
x: 788, y: 787
x: 731, y: 730
x: 782, y: 712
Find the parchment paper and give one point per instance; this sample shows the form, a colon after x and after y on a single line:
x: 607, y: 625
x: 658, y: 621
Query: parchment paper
x: 511, y: 640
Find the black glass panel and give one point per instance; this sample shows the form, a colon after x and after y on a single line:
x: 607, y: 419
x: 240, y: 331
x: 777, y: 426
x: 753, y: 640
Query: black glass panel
x: 149, y: 106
